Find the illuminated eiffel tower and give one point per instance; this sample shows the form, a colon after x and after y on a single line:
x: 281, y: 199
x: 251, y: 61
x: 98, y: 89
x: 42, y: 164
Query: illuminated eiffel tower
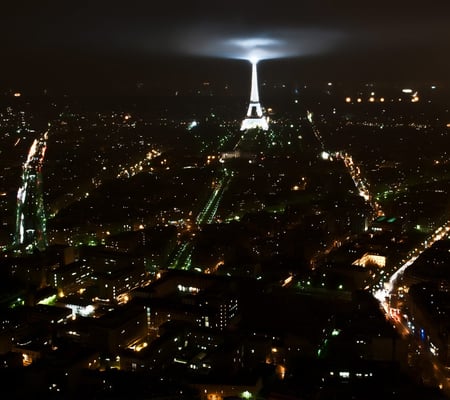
x: 255, y: 117
x: 30, y: 231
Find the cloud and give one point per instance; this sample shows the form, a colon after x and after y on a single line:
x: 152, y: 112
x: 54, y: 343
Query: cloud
x: 248, y: 44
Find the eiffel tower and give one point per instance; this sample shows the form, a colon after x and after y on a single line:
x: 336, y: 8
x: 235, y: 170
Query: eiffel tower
x: 255, y: 117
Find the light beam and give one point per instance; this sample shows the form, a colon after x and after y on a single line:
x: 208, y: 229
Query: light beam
x: 282, y: 43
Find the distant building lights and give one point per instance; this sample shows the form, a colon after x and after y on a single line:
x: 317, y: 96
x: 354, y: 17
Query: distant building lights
x: 325, y: 155
x: 192, y: 125
x: 359, y: 100
x: 371, y: 99
x: 348, y: 99
x: 407, y: 90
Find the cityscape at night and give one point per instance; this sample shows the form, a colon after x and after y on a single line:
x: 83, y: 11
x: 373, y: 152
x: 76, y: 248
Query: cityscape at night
x: 221, y: 202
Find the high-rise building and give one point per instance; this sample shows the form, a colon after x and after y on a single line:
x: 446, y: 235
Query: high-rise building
x: 255, y: 117
x: 30, y: 216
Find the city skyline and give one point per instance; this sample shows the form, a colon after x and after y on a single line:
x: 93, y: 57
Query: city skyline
x: 215, y: 201
x: 175, y: 242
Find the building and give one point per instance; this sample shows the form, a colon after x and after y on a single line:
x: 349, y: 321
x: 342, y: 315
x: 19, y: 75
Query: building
x: 430, y: 317
x: 30, y: 218
x: 255, y: 117
x: 205, y: 300
x: 111, y: 332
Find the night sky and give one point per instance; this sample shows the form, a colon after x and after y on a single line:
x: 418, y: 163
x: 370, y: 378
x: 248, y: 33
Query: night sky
x: 99, y: 44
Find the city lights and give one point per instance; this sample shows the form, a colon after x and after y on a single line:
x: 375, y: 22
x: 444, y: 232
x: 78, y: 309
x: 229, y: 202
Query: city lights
x: 219, y: 202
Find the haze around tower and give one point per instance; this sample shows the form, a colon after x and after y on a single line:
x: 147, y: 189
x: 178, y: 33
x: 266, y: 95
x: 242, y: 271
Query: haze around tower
x: 257, y: 45
x: 112, y: 43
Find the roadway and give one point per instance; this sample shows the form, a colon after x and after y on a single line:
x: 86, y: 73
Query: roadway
x: 209, y: 210
x: 182, y: 255
x: 388, y: 287
x: 354, y: 171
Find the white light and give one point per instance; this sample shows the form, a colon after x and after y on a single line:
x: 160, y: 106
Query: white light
x: 278, y: 43
x: 325, y: 155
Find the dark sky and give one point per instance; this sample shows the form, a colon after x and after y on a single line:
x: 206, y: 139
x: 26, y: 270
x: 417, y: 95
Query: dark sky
x: 80, y: 44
